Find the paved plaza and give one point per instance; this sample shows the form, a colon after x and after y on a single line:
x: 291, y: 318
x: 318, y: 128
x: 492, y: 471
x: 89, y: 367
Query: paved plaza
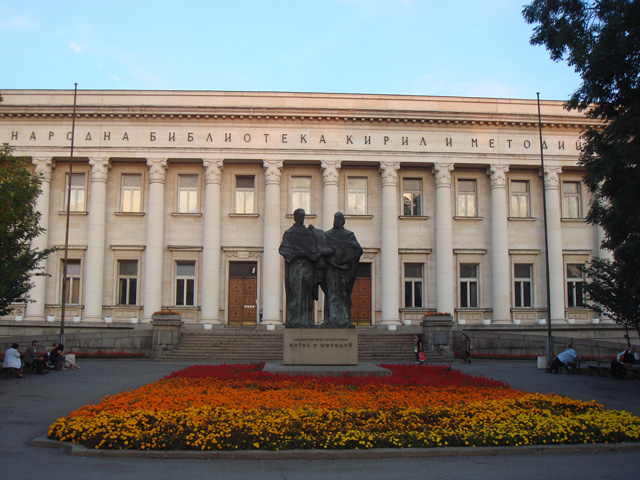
x: 29, y: 406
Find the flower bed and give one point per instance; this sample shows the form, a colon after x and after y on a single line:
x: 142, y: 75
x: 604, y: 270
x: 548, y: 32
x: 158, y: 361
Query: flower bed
x: 232, y: 407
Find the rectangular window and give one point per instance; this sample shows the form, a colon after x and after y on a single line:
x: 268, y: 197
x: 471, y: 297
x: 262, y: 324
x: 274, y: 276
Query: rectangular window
x: 520, y: 199
x: 468, y: 285
x: 185, y: 283
x: 356, y: 196
x: 72, y: 282
x: 127, y: 282
x: 187, y: 193
x: 412, y: 196
x: 301, y: 193
x: 575, y: 279
x: 77, y: 202
x: 245, y: 194
x: 571, y: 200
x: 522, y: 285
x: 466, y: 199
x: 131, y: 197
x: 413, y: 281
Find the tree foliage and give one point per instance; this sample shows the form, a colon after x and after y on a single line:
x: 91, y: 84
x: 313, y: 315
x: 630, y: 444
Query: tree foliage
x: 601, y: 40
x: 19, y: 225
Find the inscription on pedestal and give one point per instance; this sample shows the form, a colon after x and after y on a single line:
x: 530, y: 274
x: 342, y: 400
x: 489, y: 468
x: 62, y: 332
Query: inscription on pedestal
x: 320, y: 346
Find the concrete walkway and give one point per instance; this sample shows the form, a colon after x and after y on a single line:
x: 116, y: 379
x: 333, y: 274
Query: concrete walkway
x: 29, y: 406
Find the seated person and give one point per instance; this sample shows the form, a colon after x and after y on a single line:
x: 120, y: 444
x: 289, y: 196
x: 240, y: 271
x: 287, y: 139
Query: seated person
x: 32, y: 358
x: 566, y: 358
x: 625, y: 357
x: 12, y: 360
x: 58, y: 359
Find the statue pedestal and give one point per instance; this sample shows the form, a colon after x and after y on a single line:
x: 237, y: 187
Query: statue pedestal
x: 320, y: 346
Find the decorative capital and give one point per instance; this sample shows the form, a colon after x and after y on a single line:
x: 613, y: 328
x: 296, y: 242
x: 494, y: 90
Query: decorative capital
x: 330, y: 172
x: 552, y: 177
x: 389, y: 172
x: 213, y: 170
x: 99, y: 169
x: 272, y: 171
x: 157, y: 169
x: 44, y: 166
x: 497, y: 174
x: 442, y: 171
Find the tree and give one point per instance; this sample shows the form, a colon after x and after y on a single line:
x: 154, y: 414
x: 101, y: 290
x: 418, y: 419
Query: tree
x: 601, y: 40
x: 19, y: 225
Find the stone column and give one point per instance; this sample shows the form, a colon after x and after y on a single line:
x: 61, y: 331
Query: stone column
x: 35, y: 310
x: 554, y: 235
x: 271, y: 266
x: 499, y: 243
x: 445, y: 285
x: 389, y: 259
x: 330, y: 176
x: 94, y: 269
x: 211, y: 243
x: 155, y: 238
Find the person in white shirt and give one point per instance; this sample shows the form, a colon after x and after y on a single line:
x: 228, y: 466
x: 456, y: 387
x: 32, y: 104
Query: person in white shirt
x: 12, y: 360
x: 568, y: 357
x: 625, y: 357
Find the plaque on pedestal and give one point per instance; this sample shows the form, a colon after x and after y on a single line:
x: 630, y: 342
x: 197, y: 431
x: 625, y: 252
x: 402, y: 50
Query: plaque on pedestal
x: 320, y: 346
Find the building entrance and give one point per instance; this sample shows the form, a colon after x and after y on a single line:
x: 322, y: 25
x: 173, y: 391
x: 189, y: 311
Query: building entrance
x: 243, y: 293
x: 361, y: 296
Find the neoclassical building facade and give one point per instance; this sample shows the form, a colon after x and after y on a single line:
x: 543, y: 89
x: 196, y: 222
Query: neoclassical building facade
x: 179, y: 200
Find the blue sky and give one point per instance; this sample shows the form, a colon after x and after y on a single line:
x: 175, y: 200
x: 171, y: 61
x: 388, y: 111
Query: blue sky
x: 429, y: 47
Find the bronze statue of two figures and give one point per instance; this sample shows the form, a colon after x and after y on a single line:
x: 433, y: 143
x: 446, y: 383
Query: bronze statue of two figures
x: 316, y: 258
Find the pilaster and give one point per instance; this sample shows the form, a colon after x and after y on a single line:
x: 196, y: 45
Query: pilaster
x: 211, y: 242
x: 499, y: 243
x: 271, y: 266
x: 554, y: 236
x: 390, y: 263
x: 444, y: 239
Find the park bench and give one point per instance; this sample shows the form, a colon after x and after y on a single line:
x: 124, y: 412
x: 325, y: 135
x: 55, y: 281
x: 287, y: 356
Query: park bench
x: 601, y: 368
x: 571, y: 367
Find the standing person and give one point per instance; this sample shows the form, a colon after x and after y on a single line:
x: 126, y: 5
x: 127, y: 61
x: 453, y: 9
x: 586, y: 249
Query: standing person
x: 418, y: 349
x: 300, y: 253
x: 568, y: 357
x: 12, y: 360
x: 342, y: 256
x: 465, y: 353
x: 625, y: 357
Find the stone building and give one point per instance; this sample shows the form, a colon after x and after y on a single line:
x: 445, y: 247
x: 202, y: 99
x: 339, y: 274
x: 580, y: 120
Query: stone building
x: 179, y: 200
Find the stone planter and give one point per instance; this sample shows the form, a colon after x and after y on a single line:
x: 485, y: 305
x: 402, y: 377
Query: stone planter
x: 542, y: 321
x: 76, y: 319
x: 207, y: 326
x: 595, y: 321
x: 406, y: 322
x: 133, y: 320
x: 108, y: 319
x: 167, y: 329
x: 19, y: 318
x: 437, y: 334
x: 571, y: 321
x: 51, y: 318
x: 462, y: 321
x: 486, y: 321
x: 516, y: 321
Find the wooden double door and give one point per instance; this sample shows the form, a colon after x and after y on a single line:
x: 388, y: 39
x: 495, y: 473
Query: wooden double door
x: 243, y: 293
x: 361, y: 296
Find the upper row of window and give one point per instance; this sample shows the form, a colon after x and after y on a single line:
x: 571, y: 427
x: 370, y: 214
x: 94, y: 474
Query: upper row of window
x: 356, y: 198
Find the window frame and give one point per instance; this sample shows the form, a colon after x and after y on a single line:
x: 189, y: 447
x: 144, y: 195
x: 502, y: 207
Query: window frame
x: 567, y: 197
x: 464, y: 212
x: 361, y: 196
x: 413, y: 285
x: 127, y: 278
x: 75, y: 279
x: 294, y: 191
x: 192, y: 204
x: 516, y: 212
x: 468, y: 281
x: 520, y: 287
x: 185, y: 279
x: 574, y: 290
x: 73, y: 201
x: 419, y: 194
x: 244, y: 190
x: 124, y: 188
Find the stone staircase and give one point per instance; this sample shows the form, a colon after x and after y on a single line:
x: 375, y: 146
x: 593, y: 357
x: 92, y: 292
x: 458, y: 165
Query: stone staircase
x: 247, y: 344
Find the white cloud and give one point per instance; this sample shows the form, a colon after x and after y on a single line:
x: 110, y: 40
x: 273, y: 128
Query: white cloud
x: 19, y: 23
x: 113, y: 77
x: 77, y: 47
